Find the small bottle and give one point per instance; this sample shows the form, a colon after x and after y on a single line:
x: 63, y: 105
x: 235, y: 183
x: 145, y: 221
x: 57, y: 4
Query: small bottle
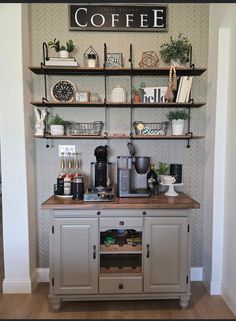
x: 152, y: 182
x: 61, y: 176
x: 77, y: 171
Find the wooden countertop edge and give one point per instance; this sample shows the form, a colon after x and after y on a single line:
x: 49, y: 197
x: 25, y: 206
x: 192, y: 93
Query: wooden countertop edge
x: 182, y: 201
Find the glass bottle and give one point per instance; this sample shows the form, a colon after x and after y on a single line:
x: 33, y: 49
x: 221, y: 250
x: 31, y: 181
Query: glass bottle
x: 152, y: 182
x: 61, y: 176
x: 77, y: 171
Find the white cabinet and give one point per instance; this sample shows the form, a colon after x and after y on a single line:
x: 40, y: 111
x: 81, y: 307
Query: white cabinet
x: 166, y: 260
x: 154, y: 266
x: 74, y: 261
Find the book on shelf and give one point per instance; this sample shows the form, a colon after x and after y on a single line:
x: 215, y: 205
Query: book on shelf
x: 184, y: 89
x: 57, y: 61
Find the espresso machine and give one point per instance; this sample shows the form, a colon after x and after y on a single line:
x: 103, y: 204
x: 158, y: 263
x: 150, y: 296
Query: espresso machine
x: 127, y: 167
x: 100, y: 184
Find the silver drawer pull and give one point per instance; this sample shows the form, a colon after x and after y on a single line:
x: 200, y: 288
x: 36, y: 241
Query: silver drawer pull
x: 147, y: 250
x: 121, y: 286
x: 121, y: 223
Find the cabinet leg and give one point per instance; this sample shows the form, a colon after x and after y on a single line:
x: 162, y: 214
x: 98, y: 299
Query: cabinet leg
x: 55, y: 303
x: 184, y: 300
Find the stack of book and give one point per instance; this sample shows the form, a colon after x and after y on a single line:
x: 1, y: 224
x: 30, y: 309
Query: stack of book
x: 57, y: 61
x: 184, y: 89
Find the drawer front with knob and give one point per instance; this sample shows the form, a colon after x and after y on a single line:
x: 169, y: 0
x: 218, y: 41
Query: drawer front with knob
x: 120, y: 284
x: 121, y: 222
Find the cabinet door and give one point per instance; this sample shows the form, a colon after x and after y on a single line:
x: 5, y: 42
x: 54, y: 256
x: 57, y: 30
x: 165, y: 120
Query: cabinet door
x: 166, y: 254
x: 75, y: 246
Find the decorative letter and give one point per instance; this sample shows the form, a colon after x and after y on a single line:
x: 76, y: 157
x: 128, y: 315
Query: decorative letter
x: 143, y: 20
x: 76, y: 20
x: 128, y: 20
x: 156, y: 18
x: 113, y: 19
x: 100, y: 15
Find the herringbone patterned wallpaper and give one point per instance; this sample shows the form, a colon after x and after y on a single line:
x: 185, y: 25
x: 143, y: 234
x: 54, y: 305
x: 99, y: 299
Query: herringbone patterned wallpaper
x: 51, y: 20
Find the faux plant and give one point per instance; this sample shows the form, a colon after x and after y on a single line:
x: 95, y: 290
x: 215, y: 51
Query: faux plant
x: 138, y: 90
x: 56, y: 120
x: 58, y: 47
x: 176, y: 48
x: 178, y: 114
x: 162, y: 168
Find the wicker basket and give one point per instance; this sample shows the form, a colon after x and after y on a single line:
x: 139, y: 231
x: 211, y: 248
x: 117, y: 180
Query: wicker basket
x: 142, y: 128
x: 84, y: 129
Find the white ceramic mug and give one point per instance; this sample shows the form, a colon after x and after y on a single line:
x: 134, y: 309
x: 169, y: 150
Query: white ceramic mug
x: 168, y: 179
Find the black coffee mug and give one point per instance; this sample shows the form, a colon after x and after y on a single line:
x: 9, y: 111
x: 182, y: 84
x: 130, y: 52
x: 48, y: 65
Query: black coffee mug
x: 176, y: 171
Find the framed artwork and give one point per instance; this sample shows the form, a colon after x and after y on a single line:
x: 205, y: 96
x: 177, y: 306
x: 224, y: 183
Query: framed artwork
x: 114, y: 60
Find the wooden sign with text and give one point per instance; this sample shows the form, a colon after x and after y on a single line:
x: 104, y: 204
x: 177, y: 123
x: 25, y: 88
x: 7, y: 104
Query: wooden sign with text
x: 118, y: 17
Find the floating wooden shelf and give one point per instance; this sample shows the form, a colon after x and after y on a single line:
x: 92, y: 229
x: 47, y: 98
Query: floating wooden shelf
x: 162, y: 71
x: 117, y: 105
x: 48, y: 136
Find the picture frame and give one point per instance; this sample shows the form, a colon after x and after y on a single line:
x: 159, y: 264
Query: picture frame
x: 114, y: 60
x: 82, y: 96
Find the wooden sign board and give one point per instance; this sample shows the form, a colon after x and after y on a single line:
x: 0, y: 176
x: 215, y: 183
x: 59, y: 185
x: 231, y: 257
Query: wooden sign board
x: 93, y: 17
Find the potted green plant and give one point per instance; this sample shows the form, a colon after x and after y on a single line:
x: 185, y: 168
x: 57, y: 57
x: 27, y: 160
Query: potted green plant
x: 137, y: 92
x: 57, y: 125
x: 176, y: 51
x: 63, y: 50
x: 177, y: 118
x: 162, y: 169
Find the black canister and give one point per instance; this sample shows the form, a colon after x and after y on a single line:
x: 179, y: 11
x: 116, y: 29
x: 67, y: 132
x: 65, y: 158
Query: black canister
x: 176, y: 171
x: 78, y: 188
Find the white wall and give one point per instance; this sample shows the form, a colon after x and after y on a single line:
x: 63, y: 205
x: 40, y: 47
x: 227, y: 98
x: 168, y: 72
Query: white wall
x: 16, y: 151
x: 229, y: 249
x: 219, y: 259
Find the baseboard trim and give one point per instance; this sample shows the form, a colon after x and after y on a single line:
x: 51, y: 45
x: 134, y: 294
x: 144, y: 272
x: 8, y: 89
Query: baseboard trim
x: 16, y: 286
x: 215, y: 288
x: 196, y: 274
x: 43, y: 274
x: 229, y: 298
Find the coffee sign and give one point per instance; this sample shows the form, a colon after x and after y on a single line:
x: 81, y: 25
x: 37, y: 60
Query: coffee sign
x: 118, y: 17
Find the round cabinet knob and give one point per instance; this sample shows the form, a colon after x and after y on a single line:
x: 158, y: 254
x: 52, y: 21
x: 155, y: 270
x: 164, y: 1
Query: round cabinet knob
x: 121, y: 223
x: 98, y: 212
x: 121, y: 286
x: 144, y: 212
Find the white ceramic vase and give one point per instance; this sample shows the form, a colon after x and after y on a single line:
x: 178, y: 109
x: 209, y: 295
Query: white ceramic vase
x: 64, y: 53
x: 57, y: 130
x: 177, y: 126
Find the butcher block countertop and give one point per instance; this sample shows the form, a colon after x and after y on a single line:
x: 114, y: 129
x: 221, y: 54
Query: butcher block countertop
x: 182, y: 201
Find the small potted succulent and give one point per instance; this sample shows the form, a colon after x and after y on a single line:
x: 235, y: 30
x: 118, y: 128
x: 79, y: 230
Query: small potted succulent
x: 176, y: 51
x: 57, y: 126
x: 63, y: 50
x: 137, y: 93
x: 177, y: 118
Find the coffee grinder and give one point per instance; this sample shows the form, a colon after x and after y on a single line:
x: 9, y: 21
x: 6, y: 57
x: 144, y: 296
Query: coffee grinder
x: 100, y: 184
x: 126, y: 168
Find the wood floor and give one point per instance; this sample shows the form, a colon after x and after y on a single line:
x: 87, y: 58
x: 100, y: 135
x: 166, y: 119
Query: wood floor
x: 36, y: 306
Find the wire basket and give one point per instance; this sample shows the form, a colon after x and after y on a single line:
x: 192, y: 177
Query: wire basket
x: 142, y: 128
x: 86, y: 129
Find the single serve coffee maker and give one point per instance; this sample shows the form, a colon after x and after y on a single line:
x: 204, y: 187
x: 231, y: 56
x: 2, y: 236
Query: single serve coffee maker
x: 127, y: 166
x: 100, y: 183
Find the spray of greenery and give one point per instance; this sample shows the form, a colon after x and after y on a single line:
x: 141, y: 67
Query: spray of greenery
x: 58, y: 47
x: 176, y: 48
x: 56, y: 120
x: 178, y: 114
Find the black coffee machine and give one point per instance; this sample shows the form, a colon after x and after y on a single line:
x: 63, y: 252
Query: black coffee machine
x: 100, y: 171
x: 100, y: 183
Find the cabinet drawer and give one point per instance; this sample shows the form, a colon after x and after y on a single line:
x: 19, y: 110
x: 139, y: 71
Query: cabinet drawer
x: 120, y: 284
x: 121, y: 222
